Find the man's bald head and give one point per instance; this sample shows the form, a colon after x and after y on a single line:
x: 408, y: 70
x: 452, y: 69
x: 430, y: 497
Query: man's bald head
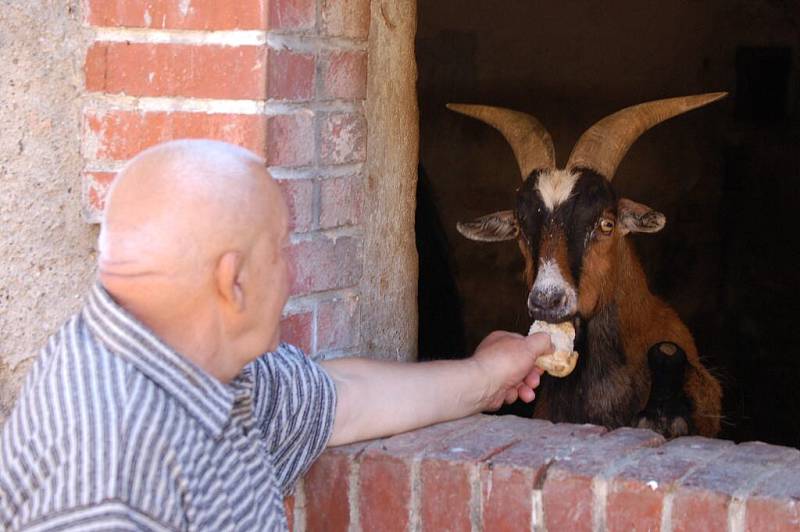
x: 191, y: 245
x: 177, y: 205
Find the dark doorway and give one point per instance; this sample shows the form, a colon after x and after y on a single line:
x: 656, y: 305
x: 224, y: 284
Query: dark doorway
x: 727, y: 177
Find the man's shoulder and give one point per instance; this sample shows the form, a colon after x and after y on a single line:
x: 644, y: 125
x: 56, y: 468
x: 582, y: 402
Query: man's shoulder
x: 81, y: 398
x: 73, y: 376
x: 86, y: 424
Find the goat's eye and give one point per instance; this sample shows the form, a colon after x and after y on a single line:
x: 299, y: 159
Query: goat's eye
x: 606, y: 226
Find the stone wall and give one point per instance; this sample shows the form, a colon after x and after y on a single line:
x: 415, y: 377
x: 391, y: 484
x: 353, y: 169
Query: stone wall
x: 48, y: 249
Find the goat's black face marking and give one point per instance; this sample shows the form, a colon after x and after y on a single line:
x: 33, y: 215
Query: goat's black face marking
x: 531, y: 214
x: 577, y: 216
x: 591, y: 197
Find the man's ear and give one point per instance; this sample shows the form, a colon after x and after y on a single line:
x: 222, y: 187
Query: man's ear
x: 495, y: 227
x: 634, y: 217
x: 228, y: 277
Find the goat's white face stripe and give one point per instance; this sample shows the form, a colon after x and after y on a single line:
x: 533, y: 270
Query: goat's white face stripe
x: 555, y: 187
x: 549, y: 279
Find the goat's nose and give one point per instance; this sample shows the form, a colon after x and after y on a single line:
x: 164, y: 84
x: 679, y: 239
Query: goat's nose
x: 549, y: 305
x: 547, y: 300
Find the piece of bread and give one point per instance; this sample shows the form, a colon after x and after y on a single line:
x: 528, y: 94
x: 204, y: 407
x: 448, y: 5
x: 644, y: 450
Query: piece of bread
x: 562, y: 336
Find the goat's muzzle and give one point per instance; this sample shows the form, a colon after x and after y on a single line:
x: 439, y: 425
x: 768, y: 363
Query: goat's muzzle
x: 552, y: 306
x: 552, y: 298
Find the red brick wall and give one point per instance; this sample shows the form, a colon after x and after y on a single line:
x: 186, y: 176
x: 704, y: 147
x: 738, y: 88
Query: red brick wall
x: 283, y: 78
x: 506, y: 473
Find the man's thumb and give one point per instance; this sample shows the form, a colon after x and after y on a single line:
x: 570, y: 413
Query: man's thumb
x: 539, y: 344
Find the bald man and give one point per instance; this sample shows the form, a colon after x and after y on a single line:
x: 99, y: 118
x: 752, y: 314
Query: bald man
x: 169, y: 403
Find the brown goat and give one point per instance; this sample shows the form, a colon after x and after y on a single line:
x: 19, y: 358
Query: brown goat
x: 638, y: 363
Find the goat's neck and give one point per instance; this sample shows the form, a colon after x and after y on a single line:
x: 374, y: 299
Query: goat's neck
x: 631, y: 283
x: 626, y: 304
x: 635, y: 303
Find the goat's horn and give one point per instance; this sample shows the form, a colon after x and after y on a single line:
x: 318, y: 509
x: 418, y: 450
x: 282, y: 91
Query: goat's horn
x: 528, y: 138
x: 603, y: 145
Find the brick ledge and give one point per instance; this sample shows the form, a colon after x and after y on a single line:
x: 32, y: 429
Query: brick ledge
x: 508, y: 473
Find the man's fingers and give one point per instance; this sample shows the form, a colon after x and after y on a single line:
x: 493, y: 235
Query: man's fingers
x: 525, y: 393
x: 540, y: 343
x: 511, y: 396
x: 532, y: 380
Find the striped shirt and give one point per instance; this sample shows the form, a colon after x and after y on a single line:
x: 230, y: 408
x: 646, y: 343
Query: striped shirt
x: 115, y: 430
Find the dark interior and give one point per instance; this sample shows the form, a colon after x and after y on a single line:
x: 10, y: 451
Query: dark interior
x: 726, y: 176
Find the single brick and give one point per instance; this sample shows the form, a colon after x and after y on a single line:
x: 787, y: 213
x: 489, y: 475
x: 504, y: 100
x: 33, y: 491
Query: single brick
x: 337, y: 323
x: 699, y: 510
x: 414, y: 444
x: 773, y: 515
x: 119, y: 135
x: 290, y: 139
x: 484, y: 440
x: 636, y: 494
x: 775, y: 503
x: 568, y: 493
x: 290, y: 75
x: 179, y: 14
x: 547, y: 442
x: 446, y: 469
x: 292, y: 14
x: 346, y: 18
x: 298, y: 194
x: 198, y: 71
x: 507, y: 501
x: 95, y: 187
x: 386, y: 476
x: 703, y: 496
x: 567, y: 503
x: 344, y: 138
x: 344, y: 75
x: 341, y: 201
x: 385, y: 493
x: 446, y: 495
x: 325, y: 264
x: 326, y: 487
x: 296, y: 329
x: 508, y: 478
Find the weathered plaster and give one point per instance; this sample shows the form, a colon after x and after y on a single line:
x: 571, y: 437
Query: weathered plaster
x: 389, y: 286
x: 47, y: 249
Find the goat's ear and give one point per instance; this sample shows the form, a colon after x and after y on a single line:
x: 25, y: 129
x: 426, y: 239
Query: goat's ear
x: 634, y: 217
x: 495, y: 227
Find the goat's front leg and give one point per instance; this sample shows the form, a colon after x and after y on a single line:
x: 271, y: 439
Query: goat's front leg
x: 668, y: 409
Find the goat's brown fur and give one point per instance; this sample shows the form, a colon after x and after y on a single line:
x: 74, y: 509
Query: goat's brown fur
x: 613, y: 274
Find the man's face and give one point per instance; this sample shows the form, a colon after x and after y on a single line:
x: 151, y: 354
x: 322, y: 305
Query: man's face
x: 267, y: 273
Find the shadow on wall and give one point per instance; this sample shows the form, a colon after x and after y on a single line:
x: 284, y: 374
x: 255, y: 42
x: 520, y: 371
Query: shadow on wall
x: 441, y: 329
x: 726, y: 176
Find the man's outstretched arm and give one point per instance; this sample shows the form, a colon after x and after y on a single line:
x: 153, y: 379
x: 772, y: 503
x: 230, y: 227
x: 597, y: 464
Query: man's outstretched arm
x: 379, y: 398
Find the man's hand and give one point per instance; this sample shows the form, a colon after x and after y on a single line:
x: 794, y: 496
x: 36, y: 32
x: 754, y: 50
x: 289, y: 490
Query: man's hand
x: 506, y: 361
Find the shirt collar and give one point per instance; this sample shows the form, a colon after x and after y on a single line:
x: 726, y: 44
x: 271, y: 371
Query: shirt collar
x: 204, y: 397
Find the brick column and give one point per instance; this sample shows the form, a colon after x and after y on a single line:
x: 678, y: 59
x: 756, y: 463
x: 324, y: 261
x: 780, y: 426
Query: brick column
x: 283, y: 78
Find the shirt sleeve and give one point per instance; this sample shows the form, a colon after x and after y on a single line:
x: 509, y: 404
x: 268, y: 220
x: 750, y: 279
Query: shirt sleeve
x: 294, y: 403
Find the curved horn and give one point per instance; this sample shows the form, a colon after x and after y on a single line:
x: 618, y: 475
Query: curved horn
x: 530, y: 141
x: 603, y: 145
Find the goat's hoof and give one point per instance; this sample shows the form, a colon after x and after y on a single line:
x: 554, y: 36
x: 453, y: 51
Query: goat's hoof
x: 669, y: 427
x: 668, y: 409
